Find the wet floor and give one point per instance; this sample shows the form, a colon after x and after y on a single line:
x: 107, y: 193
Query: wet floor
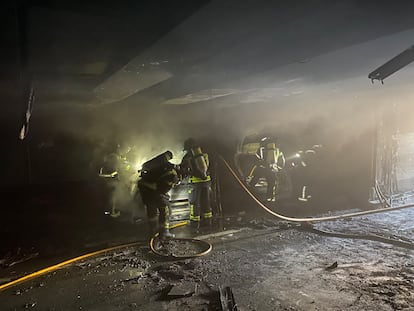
x: 269, y: 264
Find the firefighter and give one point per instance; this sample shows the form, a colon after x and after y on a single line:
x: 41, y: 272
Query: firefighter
x: 157, y: 178
x: 303, y: 160
x: 270, y: 161
x: 195, y: 166
x: 117, y: 170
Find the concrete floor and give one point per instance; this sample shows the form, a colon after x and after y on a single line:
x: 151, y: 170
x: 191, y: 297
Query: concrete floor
x: 269, y: 265
x: 363, y: 263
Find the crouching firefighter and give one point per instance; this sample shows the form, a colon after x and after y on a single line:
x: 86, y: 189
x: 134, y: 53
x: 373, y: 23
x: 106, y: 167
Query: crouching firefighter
x: 158, y: 176
x: 195, y: 166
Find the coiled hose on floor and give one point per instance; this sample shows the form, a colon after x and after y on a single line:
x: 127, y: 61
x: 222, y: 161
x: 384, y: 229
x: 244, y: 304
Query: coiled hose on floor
x: 207, y: 249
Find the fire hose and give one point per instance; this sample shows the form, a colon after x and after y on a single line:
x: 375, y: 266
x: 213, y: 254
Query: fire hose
x: 309, y: 219
x: 207, y: 249
x: 306, y: 222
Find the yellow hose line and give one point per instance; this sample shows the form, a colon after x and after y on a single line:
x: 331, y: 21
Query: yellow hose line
x: 309, y: 219
x: 60, y: 265
x: 203, y: 253
x: 69, y: 261
x: 293, y: 219
x: 180, y: 224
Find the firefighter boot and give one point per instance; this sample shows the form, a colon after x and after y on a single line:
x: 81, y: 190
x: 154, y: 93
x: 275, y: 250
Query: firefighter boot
x: 206, y: 221
x: 164, y: 221
x: 165, y: 234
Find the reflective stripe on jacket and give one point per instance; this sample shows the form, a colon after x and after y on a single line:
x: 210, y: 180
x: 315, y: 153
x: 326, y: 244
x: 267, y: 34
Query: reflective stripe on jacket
x: 194, y: 180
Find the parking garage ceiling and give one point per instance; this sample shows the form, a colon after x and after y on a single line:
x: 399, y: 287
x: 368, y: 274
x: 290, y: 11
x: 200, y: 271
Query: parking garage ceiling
x: 103, y: 52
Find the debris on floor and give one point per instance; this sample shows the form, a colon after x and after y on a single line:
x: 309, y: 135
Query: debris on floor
x: 183, y: 289
x: 227, y: 299
x: 332, y: 266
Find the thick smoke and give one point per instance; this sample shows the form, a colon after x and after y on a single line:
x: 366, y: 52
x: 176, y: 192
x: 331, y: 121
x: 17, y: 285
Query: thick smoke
x: 286, y: 86
x: 341, y: 114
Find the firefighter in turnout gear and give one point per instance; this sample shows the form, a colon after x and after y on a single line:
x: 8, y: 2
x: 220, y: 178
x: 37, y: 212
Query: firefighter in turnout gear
x: 270, y: 162
x: 158, y: 176
x: 118, y: 172
x: 195, y: 166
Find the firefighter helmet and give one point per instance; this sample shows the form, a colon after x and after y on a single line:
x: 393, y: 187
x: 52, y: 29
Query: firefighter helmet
x: 189, y: 143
